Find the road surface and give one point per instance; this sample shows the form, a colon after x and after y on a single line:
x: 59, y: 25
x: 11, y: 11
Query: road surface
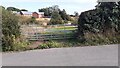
x: 106, y: 55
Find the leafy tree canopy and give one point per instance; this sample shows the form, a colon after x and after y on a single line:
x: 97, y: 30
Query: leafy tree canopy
x: 56, y: 18
x: 13, y: 9
x: 49, y: 10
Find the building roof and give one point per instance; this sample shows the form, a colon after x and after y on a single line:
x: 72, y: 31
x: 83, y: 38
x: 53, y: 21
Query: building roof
x: 26, y: 13
x: 30, y: 13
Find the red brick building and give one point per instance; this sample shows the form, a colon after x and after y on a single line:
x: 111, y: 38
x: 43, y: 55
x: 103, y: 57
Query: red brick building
x: 32, y: 14
x: 35, y: 14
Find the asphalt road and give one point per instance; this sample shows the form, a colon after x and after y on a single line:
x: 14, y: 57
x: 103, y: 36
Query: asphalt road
x: 76, y: 56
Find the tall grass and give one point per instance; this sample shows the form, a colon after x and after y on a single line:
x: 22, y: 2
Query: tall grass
x: 100, y: 39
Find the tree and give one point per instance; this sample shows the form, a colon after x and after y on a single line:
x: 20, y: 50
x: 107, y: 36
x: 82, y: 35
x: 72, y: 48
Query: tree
x: 107, y: 11
x: 55, y: 8
x: 23, y: 10
x: 46, y: 11
x: 56, y: 18
x: 2, y: 7
x: 10, y: 30
x: 118, y: 16
x: 49, y: 10
x: 64, y: 15
x: 103, y: 19
x: 76, y: 14
x: 13, y: 9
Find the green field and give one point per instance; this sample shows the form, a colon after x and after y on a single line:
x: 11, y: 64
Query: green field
x: 66, y: 28
x: 60, y: 30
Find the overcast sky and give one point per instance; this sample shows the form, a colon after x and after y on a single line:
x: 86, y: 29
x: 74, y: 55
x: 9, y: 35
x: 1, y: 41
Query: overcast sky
x: 69, y: 5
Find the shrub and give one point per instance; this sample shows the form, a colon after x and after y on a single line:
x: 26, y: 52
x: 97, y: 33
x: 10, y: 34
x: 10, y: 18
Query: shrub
x: 50, y: 44
x: 10, y: 28
x: 43, y: 46
x: 20, y: 46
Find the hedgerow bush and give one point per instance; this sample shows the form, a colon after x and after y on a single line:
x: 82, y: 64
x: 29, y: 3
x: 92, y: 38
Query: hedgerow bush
x: 102, y: 24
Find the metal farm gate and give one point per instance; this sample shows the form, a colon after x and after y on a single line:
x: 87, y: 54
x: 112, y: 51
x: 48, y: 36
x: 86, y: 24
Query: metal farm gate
x: 33, y: 33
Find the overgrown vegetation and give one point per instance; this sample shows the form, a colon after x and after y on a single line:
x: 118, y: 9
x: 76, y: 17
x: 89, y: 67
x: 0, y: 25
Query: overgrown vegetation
x: 59, y: 43
x: 10, y: 28
x: 27, y: 20
x: 101, y: 24
x: 71, y: 43
x: 11, y: 36
x: 101, y: 39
